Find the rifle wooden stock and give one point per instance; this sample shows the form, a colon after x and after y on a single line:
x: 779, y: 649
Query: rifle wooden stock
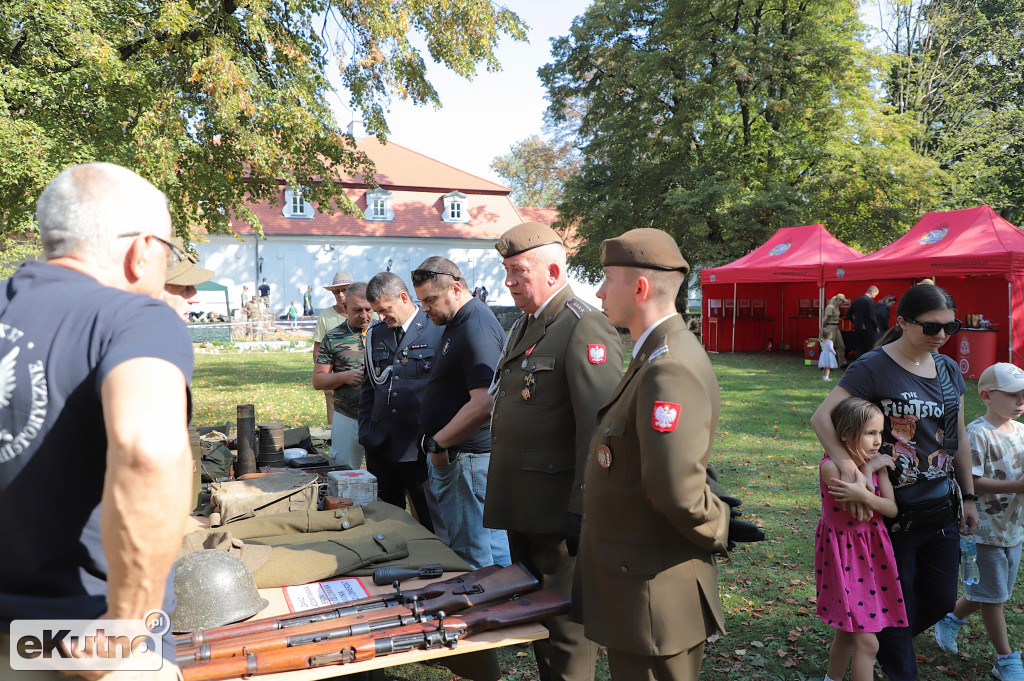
x: 497, y: 587
x: 432, y: 590
x: 534, y: 607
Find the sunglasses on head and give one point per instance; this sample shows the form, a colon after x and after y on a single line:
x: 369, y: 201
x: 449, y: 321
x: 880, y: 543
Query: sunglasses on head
x: 420, y: 276
x: 933, y: 328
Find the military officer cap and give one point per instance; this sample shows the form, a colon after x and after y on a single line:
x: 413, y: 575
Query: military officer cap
x: 524, y: 237
x: 649, y: 248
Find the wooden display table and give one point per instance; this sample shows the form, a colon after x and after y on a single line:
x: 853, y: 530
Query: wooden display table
x: 486, y: 641
x: 481, y: 642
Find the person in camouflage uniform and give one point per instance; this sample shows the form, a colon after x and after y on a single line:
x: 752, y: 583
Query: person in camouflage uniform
x: 339, y: 367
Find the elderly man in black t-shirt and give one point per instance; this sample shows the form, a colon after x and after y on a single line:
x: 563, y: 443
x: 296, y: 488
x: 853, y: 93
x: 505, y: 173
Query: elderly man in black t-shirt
x: 95, y: 413
x: 457, y: 409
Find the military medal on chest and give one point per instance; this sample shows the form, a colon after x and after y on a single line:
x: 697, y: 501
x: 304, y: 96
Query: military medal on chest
x: 604, y: 456
x: 405, y: 356
x: 529, y: 380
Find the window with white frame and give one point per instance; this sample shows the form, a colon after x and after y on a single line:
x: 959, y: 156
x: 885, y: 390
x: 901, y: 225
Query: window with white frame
x: 378, y: 206
x: 455, y: 208
x: 295, y: 203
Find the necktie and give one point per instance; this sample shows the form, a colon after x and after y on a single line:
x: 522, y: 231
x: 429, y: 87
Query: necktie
x: 399, y: 334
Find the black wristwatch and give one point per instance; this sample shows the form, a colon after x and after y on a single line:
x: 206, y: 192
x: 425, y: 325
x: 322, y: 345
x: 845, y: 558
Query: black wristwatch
x: 433, y: 447
x: 969, y: 497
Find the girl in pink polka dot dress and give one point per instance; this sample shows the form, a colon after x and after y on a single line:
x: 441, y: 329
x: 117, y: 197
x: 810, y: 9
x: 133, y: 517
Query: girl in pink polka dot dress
x: 855, y: 572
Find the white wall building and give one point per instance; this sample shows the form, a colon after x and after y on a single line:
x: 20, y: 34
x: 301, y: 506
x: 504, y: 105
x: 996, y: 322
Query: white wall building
x: 422, y: 208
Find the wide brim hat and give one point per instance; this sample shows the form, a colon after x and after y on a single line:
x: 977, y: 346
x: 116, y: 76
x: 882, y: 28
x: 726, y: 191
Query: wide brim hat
x: 341, y: 279
x: 187, y: 272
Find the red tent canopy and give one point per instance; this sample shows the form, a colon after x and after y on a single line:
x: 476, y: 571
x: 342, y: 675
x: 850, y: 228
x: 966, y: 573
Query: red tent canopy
x: 771, y: 297
x: 792, y: 254
x: 975, y: 255
x: 972, y: 241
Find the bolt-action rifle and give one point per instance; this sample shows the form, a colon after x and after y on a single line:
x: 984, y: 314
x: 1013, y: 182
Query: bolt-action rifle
x: 432, y: 590
x: 497, y: 587
x: 445, y: 632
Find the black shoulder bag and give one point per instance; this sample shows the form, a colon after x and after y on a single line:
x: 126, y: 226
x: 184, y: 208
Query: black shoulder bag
x: 930, y: 504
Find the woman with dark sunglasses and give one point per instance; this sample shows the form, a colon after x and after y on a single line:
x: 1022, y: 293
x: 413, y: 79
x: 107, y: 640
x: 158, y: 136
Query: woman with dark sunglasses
x: 901, y: 376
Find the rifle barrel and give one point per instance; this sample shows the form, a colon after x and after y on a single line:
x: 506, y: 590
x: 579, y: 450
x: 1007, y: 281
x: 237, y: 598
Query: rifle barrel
x: 259, y: 626
x: 424, y: 635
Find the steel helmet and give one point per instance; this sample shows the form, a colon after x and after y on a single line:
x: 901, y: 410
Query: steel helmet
x: 213, y: 588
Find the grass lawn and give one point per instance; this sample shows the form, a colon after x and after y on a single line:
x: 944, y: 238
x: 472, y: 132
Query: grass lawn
x: 766, y: 454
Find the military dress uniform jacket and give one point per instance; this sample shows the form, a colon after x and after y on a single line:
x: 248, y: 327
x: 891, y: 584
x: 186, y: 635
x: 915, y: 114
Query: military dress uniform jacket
x: 645, y: 571
x: 553, y: 379
x: 389, y: 412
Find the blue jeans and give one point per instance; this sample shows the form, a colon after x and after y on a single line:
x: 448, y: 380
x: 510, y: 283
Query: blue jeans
x: 460, y: 489
x: 929, y: 564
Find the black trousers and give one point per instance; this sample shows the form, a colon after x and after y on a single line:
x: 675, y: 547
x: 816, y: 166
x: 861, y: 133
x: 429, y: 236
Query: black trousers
x: 394, y: 479
x: 929, y: 564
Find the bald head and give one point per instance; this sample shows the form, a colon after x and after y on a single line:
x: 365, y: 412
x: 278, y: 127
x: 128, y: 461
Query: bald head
x: 83, y: 210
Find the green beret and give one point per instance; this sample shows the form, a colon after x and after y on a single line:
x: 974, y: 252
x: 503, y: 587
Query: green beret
x: 646, y: 247
x: 524, y: 237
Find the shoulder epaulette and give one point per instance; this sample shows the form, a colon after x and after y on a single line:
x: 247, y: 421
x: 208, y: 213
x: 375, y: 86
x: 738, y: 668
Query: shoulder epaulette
x: 578, y: 307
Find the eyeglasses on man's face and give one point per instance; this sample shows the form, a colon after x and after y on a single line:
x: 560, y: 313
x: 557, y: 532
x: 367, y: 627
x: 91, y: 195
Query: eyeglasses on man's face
x: 933, y: 328
x: 420, y: 276
x: 174, y: 254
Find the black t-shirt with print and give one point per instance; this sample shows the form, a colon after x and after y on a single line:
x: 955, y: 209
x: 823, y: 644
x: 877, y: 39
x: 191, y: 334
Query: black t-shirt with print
x: 913, y: 411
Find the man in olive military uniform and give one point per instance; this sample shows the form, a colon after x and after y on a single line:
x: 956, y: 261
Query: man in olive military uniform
x: 399, y: 358
x: 339, y: 367
x: 561, y: 361
x: 651, y: 525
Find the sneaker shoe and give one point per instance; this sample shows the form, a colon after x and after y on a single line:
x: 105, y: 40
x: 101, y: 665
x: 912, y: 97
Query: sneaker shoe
x: 1009, y: 668
x: 946, y: 631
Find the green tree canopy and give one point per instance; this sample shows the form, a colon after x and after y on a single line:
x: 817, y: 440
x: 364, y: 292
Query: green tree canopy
x: 212, y: 100
x: 537, y: 169
x: 720, y: 122
x: 957, y: 70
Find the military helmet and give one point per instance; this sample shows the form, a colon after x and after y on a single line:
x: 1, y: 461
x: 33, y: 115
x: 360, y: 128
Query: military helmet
x: 213, y: 588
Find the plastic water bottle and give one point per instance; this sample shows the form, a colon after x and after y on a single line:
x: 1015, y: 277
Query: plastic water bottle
x: 969, y: 560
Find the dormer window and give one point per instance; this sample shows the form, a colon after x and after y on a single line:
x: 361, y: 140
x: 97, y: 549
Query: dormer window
x: 378, y: 206
x: 455, y: 208
x: 295, y: 203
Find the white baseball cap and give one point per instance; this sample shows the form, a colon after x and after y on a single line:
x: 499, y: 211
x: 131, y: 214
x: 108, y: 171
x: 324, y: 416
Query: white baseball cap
x: 1003, y: 377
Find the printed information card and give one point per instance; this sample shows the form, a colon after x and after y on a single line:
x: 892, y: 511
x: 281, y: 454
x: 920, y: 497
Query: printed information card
x: 318, y: 594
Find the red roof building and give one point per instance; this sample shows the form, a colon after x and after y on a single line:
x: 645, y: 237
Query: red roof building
x: 420, y: 207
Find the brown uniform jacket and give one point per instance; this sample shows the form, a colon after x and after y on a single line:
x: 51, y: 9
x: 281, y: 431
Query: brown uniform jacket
x: 555, y: 376
x: 651, y: 524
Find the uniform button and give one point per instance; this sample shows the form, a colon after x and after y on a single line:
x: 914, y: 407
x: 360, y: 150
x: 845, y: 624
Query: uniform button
x: 508, y: 371
x: 607, y: 430
x: 583, y: 487
x: 381, y: 536
x: 533, y: 367
x: 494, y: 417
x: 494, y: 438
x: 345, y: 525
x: 551, y: 466
x: 501, y: 394
x: 624, y: 569
x: 394, y: 394
x: 588, y: 457
x: 394, y: 411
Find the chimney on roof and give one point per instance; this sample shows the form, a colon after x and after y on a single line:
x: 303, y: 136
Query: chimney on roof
x: 357, y: 129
